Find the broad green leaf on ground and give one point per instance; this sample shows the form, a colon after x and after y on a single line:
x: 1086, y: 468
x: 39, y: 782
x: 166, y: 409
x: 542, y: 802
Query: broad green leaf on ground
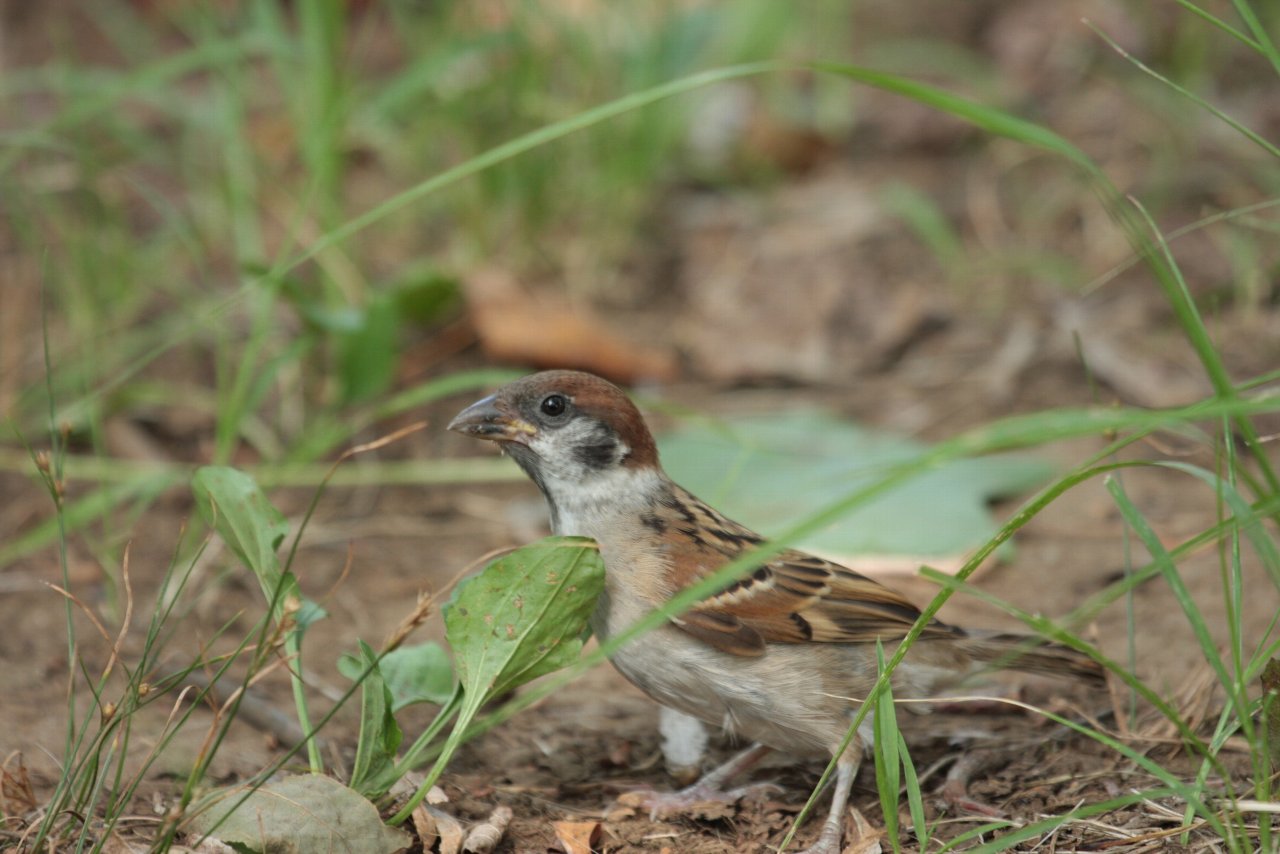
x: 306, y: 814
x: 415, y: 674
x: 771, y: 472
x: 237, y: 508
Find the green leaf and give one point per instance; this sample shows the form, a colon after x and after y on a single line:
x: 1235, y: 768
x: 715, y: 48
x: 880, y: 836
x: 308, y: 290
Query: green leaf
x: 422, y: 296
x: 524, y: 615
x: 380, y: 735
x: 414, y: 674
x: 773, y: 472
x: 367, y: 355
x: 249, y: 524
x: 234, y: 505
x: 307, y: 814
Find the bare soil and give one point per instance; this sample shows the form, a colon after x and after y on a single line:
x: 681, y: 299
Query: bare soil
x: 856, y: 317
x: 569, y: 757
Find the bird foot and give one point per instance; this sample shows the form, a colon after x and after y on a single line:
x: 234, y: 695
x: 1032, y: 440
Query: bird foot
x: 860, y: 838
x: 956, y: 796
x: 955, y: 791
x: 696, y: 801
x: 826, y: 844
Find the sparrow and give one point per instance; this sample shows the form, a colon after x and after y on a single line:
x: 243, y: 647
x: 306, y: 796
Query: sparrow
x: 782, y: 655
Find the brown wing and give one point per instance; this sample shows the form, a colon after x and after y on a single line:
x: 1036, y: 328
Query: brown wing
x: 794, y: 598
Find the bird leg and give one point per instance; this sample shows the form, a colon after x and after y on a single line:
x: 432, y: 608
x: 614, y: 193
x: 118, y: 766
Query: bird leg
x: 833, y: 828
x: 708, y: 791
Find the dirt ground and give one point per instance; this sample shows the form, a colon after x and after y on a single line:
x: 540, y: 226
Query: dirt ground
x: 809, y: 277
x: 572, y: 755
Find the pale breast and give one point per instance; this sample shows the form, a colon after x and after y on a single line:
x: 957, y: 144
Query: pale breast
x: 780, y: 699
x: 777, y: 699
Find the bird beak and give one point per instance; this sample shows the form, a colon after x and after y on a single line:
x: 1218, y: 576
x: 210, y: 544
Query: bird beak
x: 488, y: 419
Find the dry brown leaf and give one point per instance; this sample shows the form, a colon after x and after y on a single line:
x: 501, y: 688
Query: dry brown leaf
x: 577, y: 837
x: 863, y: 839
x: 486, y: 835
x: 447, y: 828
x: 17, y: 798
x: 424, y: 825
x: 549, y: 332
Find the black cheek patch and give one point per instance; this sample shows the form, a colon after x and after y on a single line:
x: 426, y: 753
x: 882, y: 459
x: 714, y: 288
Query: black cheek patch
x: 596, y: 456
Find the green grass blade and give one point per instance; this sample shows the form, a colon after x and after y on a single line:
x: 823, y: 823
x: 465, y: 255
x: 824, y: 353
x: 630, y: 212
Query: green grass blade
x: 1204, y: 14
x: 524, y: 143
x: 1237, y: 126
x: 915, y: 798
x: 887, y: 761
x: 1160, y: 555
x: 1263, y: 41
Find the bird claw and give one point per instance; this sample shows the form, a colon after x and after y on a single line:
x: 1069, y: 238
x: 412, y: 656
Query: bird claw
x: 956, y: 796
x: 696, y: 801
x: 823, y: 846
x: 955, y: 791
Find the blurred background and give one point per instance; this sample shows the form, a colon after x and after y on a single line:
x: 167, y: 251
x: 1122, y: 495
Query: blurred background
x: 260, y: 232
x: 199, y: 208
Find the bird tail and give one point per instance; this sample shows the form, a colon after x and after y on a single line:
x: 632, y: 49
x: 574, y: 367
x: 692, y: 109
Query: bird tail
x: 1033, y: 655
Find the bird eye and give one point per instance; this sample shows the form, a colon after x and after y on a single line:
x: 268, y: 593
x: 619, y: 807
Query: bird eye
x: 553, y: 405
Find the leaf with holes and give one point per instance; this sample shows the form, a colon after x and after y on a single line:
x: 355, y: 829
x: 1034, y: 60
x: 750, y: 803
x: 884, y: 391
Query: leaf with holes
x: 525, y: 615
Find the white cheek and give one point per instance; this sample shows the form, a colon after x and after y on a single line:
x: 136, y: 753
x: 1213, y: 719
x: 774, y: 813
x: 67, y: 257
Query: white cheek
x: 560, y: 453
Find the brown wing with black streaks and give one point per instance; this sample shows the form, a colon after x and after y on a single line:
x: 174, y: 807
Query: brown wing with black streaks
x: 793, y: 598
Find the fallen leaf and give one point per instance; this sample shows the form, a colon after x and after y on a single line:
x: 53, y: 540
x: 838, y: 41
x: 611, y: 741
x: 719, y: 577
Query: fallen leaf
x: 424, y: 824
x: 305, y: 814
x: 577, y: 837
x: 550, y: 332
x: 448, y: 828
x: 772, y: 472
x: 17, y: 798
x: 864, y: 838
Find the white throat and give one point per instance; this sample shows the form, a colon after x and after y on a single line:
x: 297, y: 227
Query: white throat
x: 591, y: 506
